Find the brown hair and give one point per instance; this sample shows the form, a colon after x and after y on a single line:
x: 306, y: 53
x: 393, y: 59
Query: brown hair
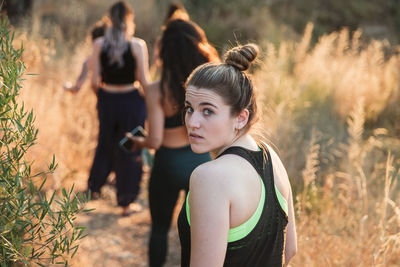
x: 118, y: 14
x: 229, y: 80
x: 176, y: 11
x: 184, y: 46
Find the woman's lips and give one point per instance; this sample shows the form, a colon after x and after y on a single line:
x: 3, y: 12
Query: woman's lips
x: 195, y: 137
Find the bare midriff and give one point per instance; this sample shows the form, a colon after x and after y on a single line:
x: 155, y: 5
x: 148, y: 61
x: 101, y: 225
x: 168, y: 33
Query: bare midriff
x: 175, y: 137
x: 118, y: 88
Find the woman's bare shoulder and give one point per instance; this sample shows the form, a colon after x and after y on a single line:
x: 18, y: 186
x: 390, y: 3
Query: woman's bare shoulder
x: 137, y: 42
x: 208, y: 178
x: 216, y: 171
x: 153, y: 93
x: 139, y: 48
x: 207, y: 169
x: 98, y: 42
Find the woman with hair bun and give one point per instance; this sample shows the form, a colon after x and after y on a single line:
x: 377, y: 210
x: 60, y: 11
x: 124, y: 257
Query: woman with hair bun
x: 239, y: 209
x: 119, y: 61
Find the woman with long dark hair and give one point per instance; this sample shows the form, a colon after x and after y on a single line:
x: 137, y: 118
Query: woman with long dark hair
x: 119, y: 61
x: 183, y: 47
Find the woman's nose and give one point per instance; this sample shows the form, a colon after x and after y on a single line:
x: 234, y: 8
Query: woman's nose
x: 193, y: 120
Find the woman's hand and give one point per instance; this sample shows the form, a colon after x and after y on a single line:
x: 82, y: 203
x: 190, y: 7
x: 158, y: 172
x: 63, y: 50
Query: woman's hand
x: 138, y: 141
x: 71, y: 88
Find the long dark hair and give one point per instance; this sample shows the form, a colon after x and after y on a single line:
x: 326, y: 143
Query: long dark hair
x: 176, y: 10
x: 184, y: 46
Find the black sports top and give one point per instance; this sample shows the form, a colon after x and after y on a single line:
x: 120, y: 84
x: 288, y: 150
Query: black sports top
x: 173, y: 121
x: 112, y: 73
x: 264, y: 245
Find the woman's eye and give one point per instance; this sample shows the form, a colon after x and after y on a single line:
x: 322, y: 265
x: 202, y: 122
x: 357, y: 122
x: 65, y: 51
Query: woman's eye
x: 207, y: 112
x: 189, y: 109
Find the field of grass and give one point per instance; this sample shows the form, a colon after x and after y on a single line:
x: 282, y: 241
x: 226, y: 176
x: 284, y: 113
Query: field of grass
x: 331, y: 109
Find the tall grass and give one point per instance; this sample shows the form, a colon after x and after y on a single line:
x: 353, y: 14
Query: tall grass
x: 325, y: 107
x: 67, y: 122
x: 331, y: 109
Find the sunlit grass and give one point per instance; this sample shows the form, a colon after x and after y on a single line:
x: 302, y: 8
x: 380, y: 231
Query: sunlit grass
x: 324, y: 107
x: 331, y: 110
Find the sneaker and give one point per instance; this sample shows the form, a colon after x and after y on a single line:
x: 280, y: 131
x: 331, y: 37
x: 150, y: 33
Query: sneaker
x: 132, y: 208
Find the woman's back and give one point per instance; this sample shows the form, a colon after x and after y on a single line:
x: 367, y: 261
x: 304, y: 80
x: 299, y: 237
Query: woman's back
x: 159, y: 109
x: 183, y: 47
x: 114, y: 73
x: 118, y: 60
x: 241, y: 181
x: 181, y: 50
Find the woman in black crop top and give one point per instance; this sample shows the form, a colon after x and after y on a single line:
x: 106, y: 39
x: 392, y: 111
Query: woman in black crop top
x: 239, y: 210
x: 183, y: 47
x: 119, y: 62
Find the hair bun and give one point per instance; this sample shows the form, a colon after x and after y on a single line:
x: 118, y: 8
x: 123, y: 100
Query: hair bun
x: 241, y: 56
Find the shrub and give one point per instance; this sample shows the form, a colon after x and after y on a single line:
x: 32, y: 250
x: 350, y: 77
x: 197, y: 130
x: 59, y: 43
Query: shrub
x: 34, y: 227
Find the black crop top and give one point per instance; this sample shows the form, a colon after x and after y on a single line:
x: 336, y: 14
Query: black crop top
x: 173, y: 121
x: 111, y: 73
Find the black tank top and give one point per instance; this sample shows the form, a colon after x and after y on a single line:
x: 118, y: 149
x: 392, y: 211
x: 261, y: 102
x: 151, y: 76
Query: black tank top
x: 112, y: 73
x: 264, y: 245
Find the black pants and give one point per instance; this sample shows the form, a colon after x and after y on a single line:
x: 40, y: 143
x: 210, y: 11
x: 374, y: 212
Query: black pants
x: 170, y: 174
x: 118, y: 113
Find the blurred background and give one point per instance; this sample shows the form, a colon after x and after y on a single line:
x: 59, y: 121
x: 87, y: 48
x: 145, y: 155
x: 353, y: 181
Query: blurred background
x: 328, y: 81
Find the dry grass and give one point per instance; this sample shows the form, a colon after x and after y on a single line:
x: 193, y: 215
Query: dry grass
x: 67, y: 122
x: 324, y: 107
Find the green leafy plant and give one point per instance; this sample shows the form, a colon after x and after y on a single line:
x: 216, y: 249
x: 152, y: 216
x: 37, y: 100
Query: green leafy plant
x: 34, y: 226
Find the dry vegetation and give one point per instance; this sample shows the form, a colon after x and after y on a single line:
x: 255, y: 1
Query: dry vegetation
x: 325, y: 106
x: 331, y: 110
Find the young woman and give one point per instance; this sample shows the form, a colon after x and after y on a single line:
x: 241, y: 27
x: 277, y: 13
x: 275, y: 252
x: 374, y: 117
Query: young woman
x: 183, y: 47
x: 239, y: 209
x: 119, y: 60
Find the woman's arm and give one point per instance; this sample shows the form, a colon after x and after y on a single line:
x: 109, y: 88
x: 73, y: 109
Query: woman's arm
x: 282, y: 182
x: 155, y: 117
x: 209, y: 216
x: 81, y: 79
x: 291, y: 236
x: 139, y: 49
x: 95, y: 61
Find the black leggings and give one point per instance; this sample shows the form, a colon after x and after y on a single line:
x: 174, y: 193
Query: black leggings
x: 118, y: 113
x: 170, y: 174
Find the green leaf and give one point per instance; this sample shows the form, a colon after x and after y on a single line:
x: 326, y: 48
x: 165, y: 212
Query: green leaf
x: 26, y: 217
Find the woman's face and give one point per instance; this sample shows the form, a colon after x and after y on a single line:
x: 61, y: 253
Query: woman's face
x: 209, y: 122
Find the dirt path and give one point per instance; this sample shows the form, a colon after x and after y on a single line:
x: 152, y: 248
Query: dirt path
x: 118, y: 241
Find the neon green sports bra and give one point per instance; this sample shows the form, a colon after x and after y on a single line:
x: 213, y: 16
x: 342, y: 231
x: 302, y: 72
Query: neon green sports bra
x: 245, y: 228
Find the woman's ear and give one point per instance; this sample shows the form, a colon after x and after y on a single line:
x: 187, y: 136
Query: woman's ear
x: 242, y: 119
